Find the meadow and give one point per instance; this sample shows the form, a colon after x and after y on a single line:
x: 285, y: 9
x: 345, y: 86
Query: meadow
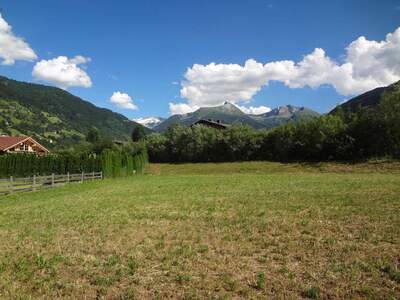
x: 255, y: 230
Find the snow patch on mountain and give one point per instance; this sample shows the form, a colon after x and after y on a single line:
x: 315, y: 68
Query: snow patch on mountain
x: 149, y: 122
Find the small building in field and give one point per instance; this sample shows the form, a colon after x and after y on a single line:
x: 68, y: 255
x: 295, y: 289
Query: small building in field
x: 21, y: 144
x: 216, y: 124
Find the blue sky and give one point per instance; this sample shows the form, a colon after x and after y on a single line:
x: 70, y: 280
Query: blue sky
x: 144, y: 48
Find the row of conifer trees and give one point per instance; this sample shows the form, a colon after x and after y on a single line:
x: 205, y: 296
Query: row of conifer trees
x: 119, y: 163
x: 112, y: 162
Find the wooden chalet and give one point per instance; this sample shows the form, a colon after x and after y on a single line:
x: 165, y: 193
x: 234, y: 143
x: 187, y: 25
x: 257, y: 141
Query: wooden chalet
x: 217, y: 124
x: 21, y: 144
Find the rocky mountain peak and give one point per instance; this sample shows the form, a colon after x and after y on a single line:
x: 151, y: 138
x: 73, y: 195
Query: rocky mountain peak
x: 283, y: 111
x: 229, y: 106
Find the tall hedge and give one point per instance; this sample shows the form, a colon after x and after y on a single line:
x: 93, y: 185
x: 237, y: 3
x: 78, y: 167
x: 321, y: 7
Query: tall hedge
x: 117, y: 163
x: 107, y: 163
x: 139, y: 161
x: 113, y: 163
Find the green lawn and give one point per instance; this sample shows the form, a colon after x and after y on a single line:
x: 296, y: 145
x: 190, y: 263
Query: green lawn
x: 208, y: 231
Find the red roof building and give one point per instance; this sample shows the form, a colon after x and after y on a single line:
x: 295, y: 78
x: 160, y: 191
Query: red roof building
x: 21, y: 144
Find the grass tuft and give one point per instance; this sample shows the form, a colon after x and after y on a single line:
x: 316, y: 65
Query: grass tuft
x: 312, y: 293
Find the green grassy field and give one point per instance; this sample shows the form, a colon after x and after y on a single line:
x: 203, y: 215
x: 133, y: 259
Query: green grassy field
x: 208, y: 231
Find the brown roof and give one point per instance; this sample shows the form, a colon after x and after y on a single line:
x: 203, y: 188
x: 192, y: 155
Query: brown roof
x: 7, y: 142
x: 213, y: 123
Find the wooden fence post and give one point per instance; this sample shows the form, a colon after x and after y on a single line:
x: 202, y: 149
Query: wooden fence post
x: 101, y: 175
x: 52, y: 179
x: 67, y: 177
x: 11, y: 184
x: 34, y: 183
x: 82, y: 177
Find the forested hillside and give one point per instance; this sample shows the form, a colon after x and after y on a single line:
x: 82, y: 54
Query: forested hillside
x: 53, y: 116
x: 370, y: 99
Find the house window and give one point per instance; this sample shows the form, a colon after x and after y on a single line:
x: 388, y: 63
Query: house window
x: 23, y: 147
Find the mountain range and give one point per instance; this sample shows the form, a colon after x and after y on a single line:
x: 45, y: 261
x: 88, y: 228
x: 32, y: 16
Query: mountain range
x: 228, y: 113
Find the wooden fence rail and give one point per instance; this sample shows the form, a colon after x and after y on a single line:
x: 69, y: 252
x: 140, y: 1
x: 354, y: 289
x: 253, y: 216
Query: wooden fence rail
x: 11, y: 185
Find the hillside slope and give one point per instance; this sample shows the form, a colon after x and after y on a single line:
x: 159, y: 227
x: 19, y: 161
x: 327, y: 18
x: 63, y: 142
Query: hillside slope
x: 369, y: 99
x: 53, y: 116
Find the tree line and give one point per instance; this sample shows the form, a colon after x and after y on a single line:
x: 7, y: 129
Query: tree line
x: 344, y: 135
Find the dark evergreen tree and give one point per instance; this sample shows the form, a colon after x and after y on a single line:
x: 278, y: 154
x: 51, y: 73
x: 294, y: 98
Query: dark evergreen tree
x: 138, y: 134
x: 93, y: 136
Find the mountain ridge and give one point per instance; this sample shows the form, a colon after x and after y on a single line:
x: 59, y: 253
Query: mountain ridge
x: 229, y: 113
x: 368, y: 99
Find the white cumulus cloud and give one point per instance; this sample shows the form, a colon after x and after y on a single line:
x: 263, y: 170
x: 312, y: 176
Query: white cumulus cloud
x: 123, y: 100
x: 254, y: 110
x: 63, y: 72
x: 367, y: 64
x: 13, y: 48
x: 213, y: 84
x: 181, y: 108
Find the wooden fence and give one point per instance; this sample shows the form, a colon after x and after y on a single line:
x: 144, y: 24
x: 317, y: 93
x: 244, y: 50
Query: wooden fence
x: 11, y: 185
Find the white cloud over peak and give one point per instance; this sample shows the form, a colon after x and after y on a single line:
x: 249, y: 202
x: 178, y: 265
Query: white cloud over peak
x: 213, y: 84
x: 63, y: 72
x: 147, y: 120
x: 13, y: 48
x: 123, y: 100
x: 367, y: 64
x: 181, y: 108
x: 254, y: 110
